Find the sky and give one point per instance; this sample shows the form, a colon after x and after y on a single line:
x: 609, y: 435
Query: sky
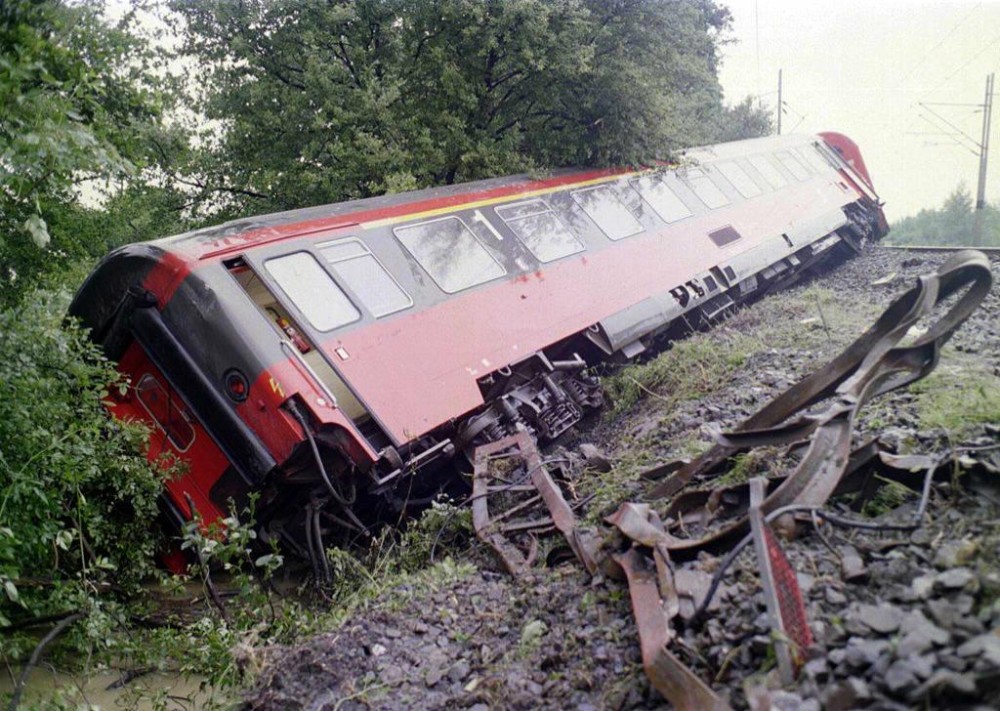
x: 878, y: 71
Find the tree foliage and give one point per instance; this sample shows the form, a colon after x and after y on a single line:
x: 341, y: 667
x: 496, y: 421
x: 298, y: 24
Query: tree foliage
x: 77, y: 496
x: 956, y: 222
x: 76, y: 104
x: 319, y: 102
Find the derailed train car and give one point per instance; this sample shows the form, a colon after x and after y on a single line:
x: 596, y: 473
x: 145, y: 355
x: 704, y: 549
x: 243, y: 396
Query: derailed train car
x: 332, y: 359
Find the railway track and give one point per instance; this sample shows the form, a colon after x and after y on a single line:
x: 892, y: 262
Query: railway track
x: 991, y: 251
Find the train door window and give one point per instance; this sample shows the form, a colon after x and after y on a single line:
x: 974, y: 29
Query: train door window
x: 364, y: 275
x: 768, y: 172
x: 740, y: 179
x: 165, y: 410
x: 793, y: 165
x: 312, y: 290
x: 448, y: 250
x: 661, y: 198
x: 540, y: 229
x: 608, y: 211
x: 702, y: 185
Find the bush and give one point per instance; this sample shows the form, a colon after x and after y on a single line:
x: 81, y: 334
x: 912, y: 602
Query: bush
x: 77, y: 496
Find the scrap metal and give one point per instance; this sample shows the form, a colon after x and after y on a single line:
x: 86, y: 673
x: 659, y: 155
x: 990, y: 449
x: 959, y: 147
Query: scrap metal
x: 876, y: 363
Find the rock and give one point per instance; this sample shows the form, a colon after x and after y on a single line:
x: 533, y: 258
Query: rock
x: 377, y: 650
x: 946, y: 683
x: 433, y: 676
x: 900, y: 677
x: 951, y: 554
x: 944, y: 612
x: 533, y: 631
x: 985, y: 646
x: 923, y: 586
x: 851, y: 693
x: 834, y: 596
x: 863, y: 653
x: 391, y: 676
x: 957, y: 579
x: 913, y: 643
x: 459, y: 670
x: 919, y: 635
x: 817, y: 669
x: 852, y: 567
x: 883, y: 618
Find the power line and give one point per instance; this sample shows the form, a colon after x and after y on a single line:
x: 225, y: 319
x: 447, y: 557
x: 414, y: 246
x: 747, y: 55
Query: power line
x: 928, y: 53
x: 974, y: 57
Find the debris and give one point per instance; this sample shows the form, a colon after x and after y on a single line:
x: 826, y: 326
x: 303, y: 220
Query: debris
x: 678, y: 684
x: 594, y: 458
x: 790, y: 629
x: 874, y: 364
x: 886, y: 280
x: 521, y: 448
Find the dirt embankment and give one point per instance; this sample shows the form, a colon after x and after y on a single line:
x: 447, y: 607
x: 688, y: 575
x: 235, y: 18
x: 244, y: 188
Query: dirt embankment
x: 916, y: 625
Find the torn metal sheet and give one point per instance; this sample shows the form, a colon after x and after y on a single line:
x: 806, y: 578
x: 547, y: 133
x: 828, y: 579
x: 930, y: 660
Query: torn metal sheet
x: 874, y: 364
x: 787, y: 613
x: 684, y: 689
x: 522, y: 449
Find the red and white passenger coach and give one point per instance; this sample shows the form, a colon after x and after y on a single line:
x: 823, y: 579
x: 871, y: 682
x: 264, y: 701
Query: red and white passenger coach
x: 332, y: 358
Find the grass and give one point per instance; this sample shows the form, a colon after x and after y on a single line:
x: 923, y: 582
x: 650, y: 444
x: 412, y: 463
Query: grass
x: 692, y: 368
x: 960, y: 394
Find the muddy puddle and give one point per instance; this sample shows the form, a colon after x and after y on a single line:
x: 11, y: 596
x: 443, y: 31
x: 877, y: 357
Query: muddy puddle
x: 48, y: 688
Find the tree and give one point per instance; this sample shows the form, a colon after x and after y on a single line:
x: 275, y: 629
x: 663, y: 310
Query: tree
x: 76, y: 100
x: 319, y: 102
x: 954, y: 223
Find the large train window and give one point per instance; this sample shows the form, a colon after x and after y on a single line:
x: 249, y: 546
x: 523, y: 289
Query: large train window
x: 768, y: 172
x: 608, y: 211
x: 740, y: 179
x: 793, y: 165
x: 312, y: 290
x: 165, y: 411
x: 364, y: 275
x: 812, y: 156
x: 702, y: 185
x: 661, y: 198
x: 540, y: 229
x: 450, y: 253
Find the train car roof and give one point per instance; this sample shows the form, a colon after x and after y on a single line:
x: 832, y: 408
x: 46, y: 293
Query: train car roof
x: 234, y: 235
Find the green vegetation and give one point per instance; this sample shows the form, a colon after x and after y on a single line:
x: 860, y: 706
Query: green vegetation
x: 958, y: 395
x: 693, y: 367
x: 413, y: 94
x: 76, y: 492
x: 956, y: 222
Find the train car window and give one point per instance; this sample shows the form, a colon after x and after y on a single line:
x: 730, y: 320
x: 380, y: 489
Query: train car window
x: 702, y: 185
x: 740, y: 179
x: 312, y: 290
x: 608, y: 211
x: 661, y: 198
x: 768, y: 172
x: 365, y: 276
x: 725, y: 235
x: 793, y: 165
x: 165, y: 410
x: 812, y: 156
x: 450, y: 253
x: 540, y: 229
